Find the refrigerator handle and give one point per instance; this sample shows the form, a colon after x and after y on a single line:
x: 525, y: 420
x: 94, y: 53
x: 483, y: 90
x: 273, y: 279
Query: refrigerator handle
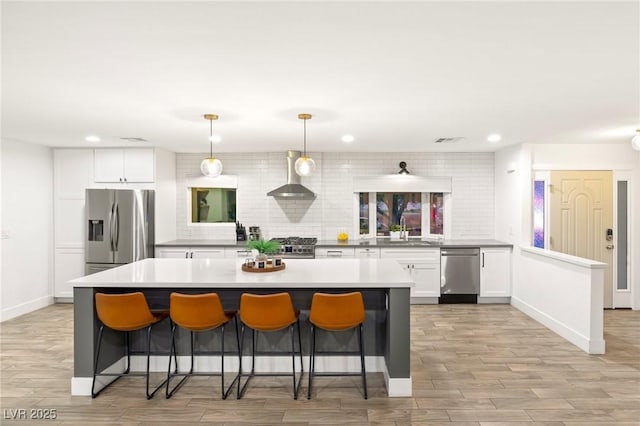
x: 117, y: 227
x: 111, y: 225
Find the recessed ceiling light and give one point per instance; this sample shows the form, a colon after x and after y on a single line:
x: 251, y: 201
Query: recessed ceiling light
x: 215, y: 139
x: 347, y: 138
x: 494, y: 137
x: 92, y: 138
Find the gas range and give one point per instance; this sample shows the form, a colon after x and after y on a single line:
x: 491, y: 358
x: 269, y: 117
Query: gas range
x: 297, y: 247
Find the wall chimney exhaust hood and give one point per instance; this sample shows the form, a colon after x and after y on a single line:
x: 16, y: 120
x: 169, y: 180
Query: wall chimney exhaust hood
x: 293, y: 189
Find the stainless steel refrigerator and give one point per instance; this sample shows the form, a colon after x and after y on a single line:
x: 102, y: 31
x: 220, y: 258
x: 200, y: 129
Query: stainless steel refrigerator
x: 120, y: 227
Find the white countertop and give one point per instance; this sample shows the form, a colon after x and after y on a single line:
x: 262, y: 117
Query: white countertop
x: 227, y: 273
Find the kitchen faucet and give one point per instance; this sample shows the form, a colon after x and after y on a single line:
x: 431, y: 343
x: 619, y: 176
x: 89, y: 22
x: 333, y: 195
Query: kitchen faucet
x: 403, y: 228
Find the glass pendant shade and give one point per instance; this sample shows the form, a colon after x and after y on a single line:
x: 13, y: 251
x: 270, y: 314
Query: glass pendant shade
x: 635, y: 142
x: 211, y: 167
x: 304, y: 166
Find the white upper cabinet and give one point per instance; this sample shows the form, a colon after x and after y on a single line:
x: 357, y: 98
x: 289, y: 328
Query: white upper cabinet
x: 124, y: 165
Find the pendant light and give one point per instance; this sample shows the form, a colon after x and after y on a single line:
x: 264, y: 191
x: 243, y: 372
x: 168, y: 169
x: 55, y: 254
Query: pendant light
x: 304, y: 165
x: 211, y: 167
x: 635, y: 142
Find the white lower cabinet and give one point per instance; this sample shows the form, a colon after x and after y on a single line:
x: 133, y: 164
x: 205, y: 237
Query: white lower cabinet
x: 190, y: 253
x: 424, y: 267
x: 338, y: 252
x: 367, y: 253
x: 495, y: 272
x: 69, y: 265
x: 236, y: 253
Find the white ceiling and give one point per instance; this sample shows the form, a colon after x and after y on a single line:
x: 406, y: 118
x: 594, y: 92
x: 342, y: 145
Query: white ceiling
x: 395, y: 75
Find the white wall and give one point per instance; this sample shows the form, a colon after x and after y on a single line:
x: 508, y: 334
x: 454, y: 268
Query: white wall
x: 332, y: 211
x: 27, y: 220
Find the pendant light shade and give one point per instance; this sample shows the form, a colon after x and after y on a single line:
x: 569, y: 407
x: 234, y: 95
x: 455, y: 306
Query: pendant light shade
x: 305, y: 165
x: 635, y: 142
x: 211, y: 167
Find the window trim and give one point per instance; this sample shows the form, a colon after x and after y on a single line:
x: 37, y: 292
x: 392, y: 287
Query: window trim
x: 425, y: 219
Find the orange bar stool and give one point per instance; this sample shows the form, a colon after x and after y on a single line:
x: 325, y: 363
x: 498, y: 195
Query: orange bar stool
x: 336, y: 312
x: 198, y: 313
x: 126, y: 313
x: 269, y: 313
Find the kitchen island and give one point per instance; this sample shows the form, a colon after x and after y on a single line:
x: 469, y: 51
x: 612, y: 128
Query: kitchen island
x: 384, y: 283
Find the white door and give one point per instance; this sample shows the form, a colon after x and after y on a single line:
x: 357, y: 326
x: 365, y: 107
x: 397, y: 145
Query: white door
x: 107, y: 165
x: 495, y: 272
x: 427, y: 279
x: 581, y: 212
x: 139, y: 165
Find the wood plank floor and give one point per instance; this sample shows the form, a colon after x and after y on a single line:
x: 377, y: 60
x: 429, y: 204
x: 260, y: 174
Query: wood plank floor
x: 471, y: 365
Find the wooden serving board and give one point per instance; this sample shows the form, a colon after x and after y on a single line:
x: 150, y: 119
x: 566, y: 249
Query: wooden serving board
x: 269, y: 268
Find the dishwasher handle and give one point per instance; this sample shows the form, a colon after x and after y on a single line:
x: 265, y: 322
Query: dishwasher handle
x: 460, y: 252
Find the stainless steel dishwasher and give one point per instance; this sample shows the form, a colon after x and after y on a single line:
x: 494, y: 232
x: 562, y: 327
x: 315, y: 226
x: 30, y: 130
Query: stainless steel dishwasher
x: 460, y: 281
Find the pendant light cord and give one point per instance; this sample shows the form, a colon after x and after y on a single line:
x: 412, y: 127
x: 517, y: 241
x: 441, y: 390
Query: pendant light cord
x: 210, y: 138
x: 305, y: 137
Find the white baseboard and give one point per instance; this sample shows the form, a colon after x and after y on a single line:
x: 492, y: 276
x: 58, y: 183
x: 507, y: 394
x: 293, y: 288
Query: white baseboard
x: 563, y: 330
x: 504, y: 300
x: 81, y: 386
x: 25, y: 308
x: 424, y: 301
x: 397, y: 387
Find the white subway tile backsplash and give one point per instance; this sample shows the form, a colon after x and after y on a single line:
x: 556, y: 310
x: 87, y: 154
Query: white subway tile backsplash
x: 332, y: 211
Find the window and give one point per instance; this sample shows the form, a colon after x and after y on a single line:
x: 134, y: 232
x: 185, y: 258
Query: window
x: 364, y: 212
x: 213, y: 205
x: 538, y: 213
x: 436, y: 213
x: 378, y: 211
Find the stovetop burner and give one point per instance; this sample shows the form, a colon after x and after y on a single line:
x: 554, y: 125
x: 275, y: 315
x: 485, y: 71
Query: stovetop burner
x: 297, y: 247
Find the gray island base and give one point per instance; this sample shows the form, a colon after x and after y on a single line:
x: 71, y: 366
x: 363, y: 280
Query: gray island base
x: 384, y: 284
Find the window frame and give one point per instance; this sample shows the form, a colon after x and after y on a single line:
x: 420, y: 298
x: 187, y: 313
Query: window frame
x: 425, y: 216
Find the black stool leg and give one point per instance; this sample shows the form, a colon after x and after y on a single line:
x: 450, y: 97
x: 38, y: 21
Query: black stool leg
x: 172, y: 351
x: 149, y: 396
x: 95, y: 363
x: 312, y: 359
x: 127, y: 349
x: 364, y: 373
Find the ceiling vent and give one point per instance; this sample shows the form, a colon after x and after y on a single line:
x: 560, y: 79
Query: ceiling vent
x: 448, y: 140
x: 130, y: 139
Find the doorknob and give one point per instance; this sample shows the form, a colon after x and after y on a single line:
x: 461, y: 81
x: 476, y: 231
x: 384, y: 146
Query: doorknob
x: 609, y: 246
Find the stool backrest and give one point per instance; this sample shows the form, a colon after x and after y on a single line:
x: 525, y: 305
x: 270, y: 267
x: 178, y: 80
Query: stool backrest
x: 337, y: 311
x: 124, y: 312
x: 197, y: 311
x: 268, y: 312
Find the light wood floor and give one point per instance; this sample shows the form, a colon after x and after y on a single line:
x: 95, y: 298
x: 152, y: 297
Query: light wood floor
x: 471, y: 365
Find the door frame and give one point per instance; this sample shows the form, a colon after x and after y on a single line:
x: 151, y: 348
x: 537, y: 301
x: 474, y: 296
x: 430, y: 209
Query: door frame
x: 618, y: 175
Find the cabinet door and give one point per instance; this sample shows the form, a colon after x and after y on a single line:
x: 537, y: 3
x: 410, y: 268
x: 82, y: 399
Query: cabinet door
x: 108, y: 165
x: 138, y: 165
x: 495, y: 273
x: 236, y: 253
x: 69, y: 265
x: 176, y: 253
x: 334, y: 252
x: 208, y: 253
x: 427, y: 279
x: 367, y: 253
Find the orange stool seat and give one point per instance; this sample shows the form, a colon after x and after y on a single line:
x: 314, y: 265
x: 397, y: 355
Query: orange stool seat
x: 268, y: 313
x: 198, y: 313
x: 125, y: 313
x: 336, y: 312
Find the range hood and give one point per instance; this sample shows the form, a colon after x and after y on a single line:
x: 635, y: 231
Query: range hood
x: 293, y: 188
